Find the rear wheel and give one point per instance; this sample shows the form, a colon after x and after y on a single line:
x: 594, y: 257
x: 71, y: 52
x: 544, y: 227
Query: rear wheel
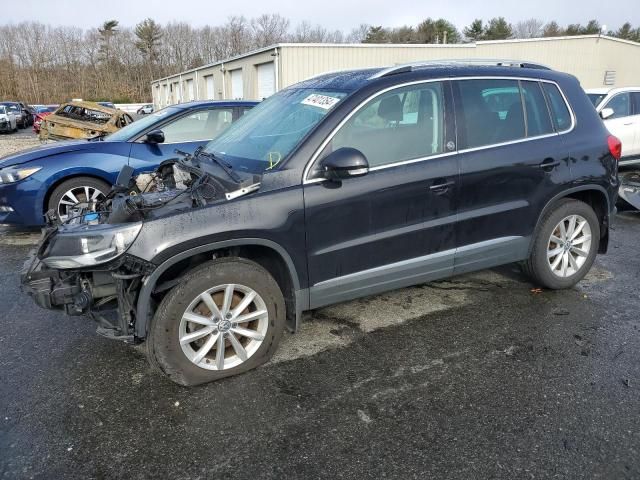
x: 224, y: 318
x: 565, y: 246
x: 76, y: 193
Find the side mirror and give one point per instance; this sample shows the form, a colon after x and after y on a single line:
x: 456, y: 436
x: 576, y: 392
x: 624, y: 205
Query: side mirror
x: 155, y: 136
x: 344, y: 163
x: 606, y: 113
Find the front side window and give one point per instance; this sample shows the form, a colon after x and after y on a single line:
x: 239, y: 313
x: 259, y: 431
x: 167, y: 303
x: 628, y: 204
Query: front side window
x: 198, y: 126
x: 621, y: 105
x: 403, y: 124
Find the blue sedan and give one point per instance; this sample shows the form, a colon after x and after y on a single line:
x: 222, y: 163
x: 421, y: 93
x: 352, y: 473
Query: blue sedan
x: 59, y: 176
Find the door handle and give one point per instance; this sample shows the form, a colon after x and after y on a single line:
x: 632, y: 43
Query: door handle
x: 549, y: 163
x: 441, y: 187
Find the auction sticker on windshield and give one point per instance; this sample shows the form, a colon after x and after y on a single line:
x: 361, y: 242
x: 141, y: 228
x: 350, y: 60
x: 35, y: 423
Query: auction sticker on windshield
x: 322, y: 101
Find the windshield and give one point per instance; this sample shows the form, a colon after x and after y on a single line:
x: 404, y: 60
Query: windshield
x: 14, y: 107
x: 596, y: 98
x: 3, y: 110
x: 265, y: 136
x: 139, y: 126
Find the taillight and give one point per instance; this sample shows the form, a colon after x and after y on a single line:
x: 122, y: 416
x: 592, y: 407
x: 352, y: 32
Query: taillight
x: 615, y: 146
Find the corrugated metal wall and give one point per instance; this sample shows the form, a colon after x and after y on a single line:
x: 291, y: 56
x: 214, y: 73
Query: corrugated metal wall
x: 588, y: 58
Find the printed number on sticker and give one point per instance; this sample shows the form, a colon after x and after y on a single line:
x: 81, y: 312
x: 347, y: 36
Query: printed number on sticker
x: 322, y: 101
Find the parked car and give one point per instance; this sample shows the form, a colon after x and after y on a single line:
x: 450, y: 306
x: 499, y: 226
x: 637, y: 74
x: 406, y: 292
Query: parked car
x: 8, y: 121
x: 22, y: 115
x: 620, y: 110
x: 82, y: 120
x: 345, y: 185
x: 57, y: 175
x: 145, y: 110
x: 42, y: 111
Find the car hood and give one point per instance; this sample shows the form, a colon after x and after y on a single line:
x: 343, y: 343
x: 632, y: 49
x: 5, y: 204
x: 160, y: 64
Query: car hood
x: 49, y: 150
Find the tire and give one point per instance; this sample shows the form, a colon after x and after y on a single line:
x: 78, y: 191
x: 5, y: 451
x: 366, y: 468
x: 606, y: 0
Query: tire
x: 75, y: 183
x: 164, y: 349
x: 540, y: 263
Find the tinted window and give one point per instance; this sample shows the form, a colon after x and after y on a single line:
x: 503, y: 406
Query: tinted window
x: 198, y: 126
x: 490, y: 112
x: 403, y: 124
x: 635, y: 97
x: 538, y: 120
x: 559, y: 112
x: 621, y: 105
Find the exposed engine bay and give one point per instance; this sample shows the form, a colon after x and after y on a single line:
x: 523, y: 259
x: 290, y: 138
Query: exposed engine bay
x: 81, y: 265
x: 189, y: 181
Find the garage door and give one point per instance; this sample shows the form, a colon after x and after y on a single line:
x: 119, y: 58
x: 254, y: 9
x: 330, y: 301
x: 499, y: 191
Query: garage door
x: 190, y: 95
x: 266, y: 80
x: 236, y: 84
x: 210, y: 87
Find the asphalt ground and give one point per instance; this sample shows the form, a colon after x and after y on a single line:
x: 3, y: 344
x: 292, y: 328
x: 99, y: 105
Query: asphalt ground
x: 481, y: 376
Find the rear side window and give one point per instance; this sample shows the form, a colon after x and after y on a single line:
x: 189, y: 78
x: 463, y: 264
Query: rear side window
x: 559, y: 112
x: 490, y: 111
x: 538, y: 120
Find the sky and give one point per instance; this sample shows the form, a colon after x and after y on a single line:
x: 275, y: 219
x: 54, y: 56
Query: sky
x: 332, y: 14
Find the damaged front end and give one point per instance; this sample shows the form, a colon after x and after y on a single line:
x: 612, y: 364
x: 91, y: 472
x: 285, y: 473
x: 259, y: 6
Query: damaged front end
x: 82, y: 267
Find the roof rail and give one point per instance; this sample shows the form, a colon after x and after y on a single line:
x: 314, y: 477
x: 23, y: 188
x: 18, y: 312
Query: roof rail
x: 408, y: 67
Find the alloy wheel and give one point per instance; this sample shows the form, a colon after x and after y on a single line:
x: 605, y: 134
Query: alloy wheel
x: 223, y: 327
x: 569, y: 246
x: 76, y: 198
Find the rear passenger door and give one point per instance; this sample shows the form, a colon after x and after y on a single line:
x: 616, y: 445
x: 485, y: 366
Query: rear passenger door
x: 393, y: 226
x: 512, y: 161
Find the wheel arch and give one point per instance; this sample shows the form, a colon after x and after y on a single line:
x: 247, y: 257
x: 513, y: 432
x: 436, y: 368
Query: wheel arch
x: 59, y: 181
x: 268, y: 254
x: 593, y: 195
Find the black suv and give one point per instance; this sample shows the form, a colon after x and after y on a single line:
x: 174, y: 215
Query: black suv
x: 344, y: 185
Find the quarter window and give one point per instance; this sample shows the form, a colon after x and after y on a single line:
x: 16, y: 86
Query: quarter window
x: 559, y: 111
x: 403, y: 124
x: 198, y: 126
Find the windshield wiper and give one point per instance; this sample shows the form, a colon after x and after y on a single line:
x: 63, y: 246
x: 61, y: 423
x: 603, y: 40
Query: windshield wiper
x: 224, y: 165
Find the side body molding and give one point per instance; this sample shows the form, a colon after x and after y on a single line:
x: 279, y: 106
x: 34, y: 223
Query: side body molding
x: 149, y: 284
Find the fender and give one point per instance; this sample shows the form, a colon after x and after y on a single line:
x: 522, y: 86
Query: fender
x: 566, y: 193
x: 149, y: 283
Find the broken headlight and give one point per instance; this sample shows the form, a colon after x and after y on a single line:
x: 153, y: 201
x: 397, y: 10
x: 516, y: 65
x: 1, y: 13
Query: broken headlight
x: 15, y: 174
x: 89, y: 245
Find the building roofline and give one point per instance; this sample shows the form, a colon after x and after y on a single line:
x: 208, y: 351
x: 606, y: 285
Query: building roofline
x: 392, y: 45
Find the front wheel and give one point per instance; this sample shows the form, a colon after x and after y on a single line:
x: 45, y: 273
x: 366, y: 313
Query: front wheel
x: 76, y: 193
x: 224, y: 318
x: 565, y: 246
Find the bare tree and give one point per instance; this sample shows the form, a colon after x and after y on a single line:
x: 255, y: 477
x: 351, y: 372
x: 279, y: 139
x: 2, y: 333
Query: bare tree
x: 268, y: 29
x: 531, y: 28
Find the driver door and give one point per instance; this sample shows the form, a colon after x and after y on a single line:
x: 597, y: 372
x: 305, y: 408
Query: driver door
x: 185, y: 133
x: 395, y: 225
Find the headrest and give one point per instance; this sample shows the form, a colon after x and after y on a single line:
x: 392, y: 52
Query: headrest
x: 390, y: 109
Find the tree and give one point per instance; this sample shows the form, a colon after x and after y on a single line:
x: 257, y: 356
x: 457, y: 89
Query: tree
x: 269, y: 29
x: 376, y: 35
x: 574, y: 29
x: 531, y: 28
x: 475, y: 31
x: 498, y: 29
x: 107, y: 32
x: 625, y: 32
x: 358, y: 34
x: 552, y: 29
x: 592, y: 28
x: 149, y: 35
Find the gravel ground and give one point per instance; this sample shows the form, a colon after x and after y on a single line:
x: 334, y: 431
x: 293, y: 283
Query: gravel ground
x: 15, y: 142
